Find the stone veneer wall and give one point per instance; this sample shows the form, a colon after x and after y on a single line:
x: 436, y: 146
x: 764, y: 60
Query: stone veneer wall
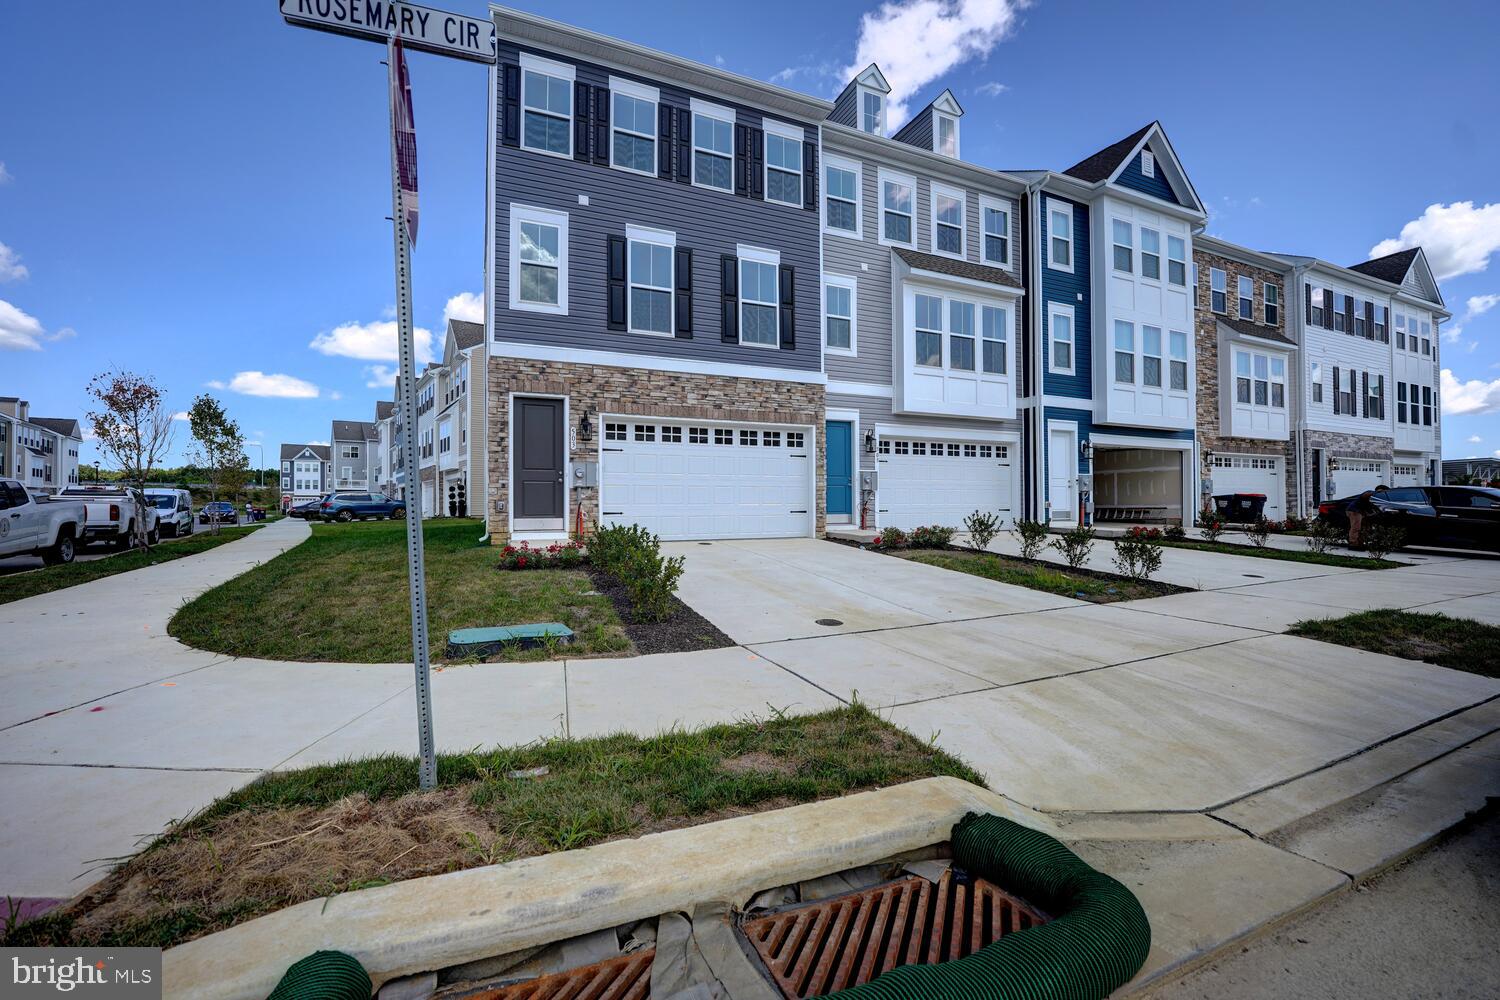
x: 600, y: 389
x: 1340, y: 444
x: 1210, y: 420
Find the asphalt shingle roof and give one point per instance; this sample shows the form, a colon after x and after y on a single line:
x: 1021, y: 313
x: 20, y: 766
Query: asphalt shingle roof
x: 467, y: 334
x: 58, y: 425
x: 1103, y: 163
x: 291, y: 451
x: 384, y: 408
x: 353, y: 430
x: 958, y: 268
x: 1250, y: 329
x: 1392, y: 267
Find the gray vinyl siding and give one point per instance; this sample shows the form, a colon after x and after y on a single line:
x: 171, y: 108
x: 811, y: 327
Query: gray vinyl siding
x: 846, y: 106
x: 708, y: 222
x: 847, y: 256
x: 877, y: 409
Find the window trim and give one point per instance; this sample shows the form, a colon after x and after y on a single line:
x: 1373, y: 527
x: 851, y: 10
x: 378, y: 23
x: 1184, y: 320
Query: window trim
x: 938, y: 117
x: 1056, y: 205
x: 759, y: 255
x: 718, y: 113
x: 520, y: 213
x: 658, y: 238
x: 796, y: 135
x: 1266, y: 305
x: 1272, y: 379
x: 558, y: 70
x: 852, y: 284
x: 937, y: 188
x: 1142, y: 253
x: 1244, y: 310
x: 859, y: 111
x: 1225, y: 275
x: 856, y: 167
x: 1182, y: 261
x: 989, y: 203
x: 1115, y: 245
x: 941, y: 330
x: 631, y: 88
x: 894, y: 177
x: 1062, y: 309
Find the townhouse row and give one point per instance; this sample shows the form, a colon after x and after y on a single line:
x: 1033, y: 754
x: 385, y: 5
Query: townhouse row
x: 42, y: 452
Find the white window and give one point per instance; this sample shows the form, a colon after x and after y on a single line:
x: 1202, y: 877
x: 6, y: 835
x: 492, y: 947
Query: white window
x: 1315, y: 379
x: 1124, y: 352
x: 1358, y: 326
x: 871, y: 112
x: 1124, y: 247
x: 1340, y: 320
x: 1060, y: 338
x: 960, y: 335
x: 842, y: 184
x: 649, y: 255
x: 783, y: 163
x: 1316, y: 297
x: 947, y: 221
x: 1177, y: 261
x: 546, y: 105
x: 1060, y: 238
x: 898, y: 195
x: 1177, y: 343
x: 538, y: 259
x: 633, y: 126
x: 928, y: 321
x: 994, y: 327
x: 840, y: 297
x: 1148, y: 163
x: 1246, y: 297
x: 1218, y: 290
x: 945, y: 135
x: 349, y: 451
x: 1272, y: 303
x: 1150, y: 254
x: 713, y: 146
x: 995, y: 221
x: 759, y: 304
x: 1151, y: 356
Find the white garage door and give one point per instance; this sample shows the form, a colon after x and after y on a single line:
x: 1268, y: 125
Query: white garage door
x: 694, y: 479
x: 1355, y: 475
x: 942, y: 482
x: 1406, y: 475
x: 1252, y: 474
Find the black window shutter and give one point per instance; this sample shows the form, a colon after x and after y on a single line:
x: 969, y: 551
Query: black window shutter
x: 810, y: 175
x: 581, y: 121
x: 1348, y: 314
x: 1338, y: 387
x: 1364, y: 394
x: 786, y: 295
x: 757, y: 164
x: 1328, y: 309
x: 683, y: 321
x: 742, y: 160
x: 510, y: 99
x: 1380, y: 396
x: 664, y: 147
x: 1307, y: 300
x: 684, y: 145
x: 729, y: 298
x: 1370, y: 320
x: 601, y: 125
x: 615, y: 279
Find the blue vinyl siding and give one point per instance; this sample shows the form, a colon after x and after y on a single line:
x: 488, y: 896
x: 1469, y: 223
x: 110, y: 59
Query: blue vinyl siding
x: 1065, y: 288
x: 1156, y: 186
x: 708, y: 222
x: 1085, y: 421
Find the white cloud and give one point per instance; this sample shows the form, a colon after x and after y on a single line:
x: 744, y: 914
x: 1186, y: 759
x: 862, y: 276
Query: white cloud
x: 335, y: 395
x: 5, y: 175
x: 1457, y: 238
x: 370, y: 342
x: 380, y: 377
x: 917, y: 41
x: 1471, y: 397
x: 1475, y: 439
x: 992, y: 89
x: 465, y: 306
x: 180, y: 415
x: 320, y: 444
x: 1477, y: 306
x: 11, y: 268
x: 21, y: 331
x: 260, y: 384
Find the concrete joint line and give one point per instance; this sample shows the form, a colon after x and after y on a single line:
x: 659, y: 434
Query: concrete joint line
x: 339, y: 728
x: 779, y: 666
x: 111, y: 694
x: 133, y: 767
x: 1239, y: 829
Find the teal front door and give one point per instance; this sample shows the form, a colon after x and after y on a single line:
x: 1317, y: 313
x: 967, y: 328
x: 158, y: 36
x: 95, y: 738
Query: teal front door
x: 840, y: 470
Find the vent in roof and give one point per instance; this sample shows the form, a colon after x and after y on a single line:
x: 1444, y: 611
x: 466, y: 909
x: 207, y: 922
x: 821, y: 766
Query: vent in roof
x: 1148, y: 163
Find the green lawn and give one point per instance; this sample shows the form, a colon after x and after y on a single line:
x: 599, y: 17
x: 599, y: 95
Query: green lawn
x: 342, y: 595
x: 298, y: 835
x: 1084, y: 586
x: 1286, y: 555
x: 15, y: 586
x: 1459, y: 643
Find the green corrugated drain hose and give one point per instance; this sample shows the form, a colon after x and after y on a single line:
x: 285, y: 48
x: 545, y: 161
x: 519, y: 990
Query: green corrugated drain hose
x: 324, y: 975
x: 1096, y: 941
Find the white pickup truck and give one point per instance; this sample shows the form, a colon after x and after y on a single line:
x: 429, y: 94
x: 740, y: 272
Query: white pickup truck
x: 110, y: 513
x: 49, y: 528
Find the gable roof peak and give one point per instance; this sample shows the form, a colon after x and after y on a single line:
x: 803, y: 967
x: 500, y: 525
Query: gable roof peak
x: 1392, y: 267
x: 1103, y: 164
x: 947, y: 104
x: 871, y: 77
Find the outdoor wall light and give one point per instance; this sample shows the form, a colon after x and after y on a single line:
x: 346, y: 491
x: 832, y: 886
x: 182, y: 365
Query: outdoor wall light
x: 585, y: 428
x: 1085, y: 450
x: 870, y: 441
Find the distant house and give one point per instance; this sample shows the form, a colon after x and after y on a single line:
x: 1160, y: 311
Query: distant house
x: 305, y: 472
x: 42, y: 452
x: 353, y: 443
x: 1474, y: 470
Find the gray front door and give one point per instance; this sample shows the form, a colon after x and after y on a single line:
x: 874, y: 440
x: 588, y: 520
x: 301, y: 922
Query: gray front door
x: 537, y: 463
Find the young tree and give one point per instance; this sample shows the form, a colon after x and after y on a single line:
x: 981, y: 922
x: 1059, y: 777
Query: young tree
x: 218, y: 449
x: 134, y: 428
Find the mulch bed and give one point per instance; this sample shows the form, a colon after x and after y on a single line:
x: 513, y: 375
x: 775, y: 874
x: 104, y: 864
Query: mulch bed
x: 684, y: 631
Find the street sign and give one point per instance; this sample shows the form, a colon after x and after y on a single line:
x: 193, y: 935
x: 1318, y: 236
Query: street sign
x: 426, y: 29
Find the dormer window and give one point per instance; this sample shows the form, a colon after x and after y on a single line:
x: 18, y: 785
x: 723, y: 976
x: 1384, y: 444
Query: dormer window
x: 1148, y: 163
x: 872, y: 112
x: 945, y: 135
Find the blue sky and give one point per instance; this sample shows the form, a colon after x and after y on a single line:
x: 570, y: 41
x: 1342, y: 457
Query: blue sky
x: 199, y: 191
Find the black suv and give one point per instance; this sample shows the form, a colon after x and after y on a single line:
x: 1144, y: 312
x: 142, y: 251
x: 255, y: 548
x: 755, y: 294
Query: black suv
x: 1458, y: 516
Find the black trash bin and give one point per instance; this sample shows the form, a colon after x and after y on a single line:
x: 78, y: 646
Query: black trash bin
x: 1243, y: 508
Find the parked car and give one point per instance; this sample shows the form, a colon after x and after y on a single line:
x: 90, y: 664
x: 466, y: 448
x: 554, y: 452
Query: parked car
x: 111, y: 512
x: 1451, y: 516
x: 358, y: 506
x: 174, y: 511
x: 307, y: 511
x: 218, y: 510
x: 45, y: 527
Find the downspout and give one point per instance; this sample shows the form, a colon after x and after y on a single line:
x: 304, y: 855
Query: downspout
x: 489, y: 287
x: 1305, y: 392
x: 1034, y: 251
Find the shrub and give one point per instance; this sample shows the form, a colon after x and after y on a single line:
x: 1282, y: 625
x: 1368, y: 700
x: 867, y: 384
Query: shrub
x: 982, y: 528
x: 1382, y: 539
x: 1174, y: 533
x: 931, y: 536
x: 632, y: 556
x: 1295, y: 523
x: 1032, y: 535
x: 1259, y: 532
x: 1138, y: 556
x: 1143, y: 533
x: 1075, y: 544
x: 556, y: 556
x: 891, y: 538
x: 1321, y: 533
x: 1274, y: 527
x: 1210, y: 525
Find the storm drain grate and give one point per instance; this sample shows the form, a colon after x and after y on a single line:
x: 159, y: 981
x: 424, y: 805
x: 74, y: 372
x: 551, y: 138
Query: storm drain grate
x: 813, y: 949
x: 627, y: 977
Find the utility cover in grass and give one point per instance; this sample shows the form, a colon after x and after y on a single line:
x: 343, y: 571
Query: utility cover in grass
x: 481, y: 642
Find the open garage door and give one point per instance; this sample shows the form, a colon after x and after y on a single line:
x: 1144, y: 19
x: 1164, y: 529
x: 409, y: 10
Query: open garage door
x: 696, y: 479
x: 923, y: 481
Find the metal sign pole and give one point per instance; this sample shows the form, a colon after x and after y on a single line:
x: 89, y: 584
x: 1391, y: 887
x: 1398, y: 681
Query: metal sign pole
x: 406, y: 385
